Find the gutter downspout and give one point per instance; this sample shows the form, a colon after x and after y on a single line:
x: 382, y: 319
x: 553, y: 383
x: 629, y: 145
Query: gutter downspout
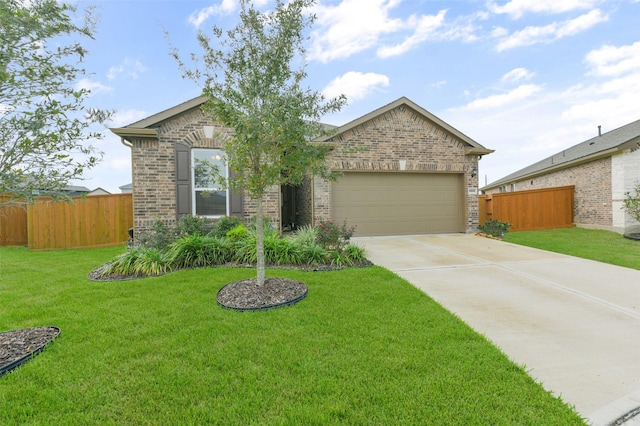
x: 126, y: 143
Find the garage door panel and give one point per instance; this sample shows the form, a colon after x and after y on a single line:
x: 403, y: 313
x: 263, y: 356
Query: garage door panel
x: 399, y: 203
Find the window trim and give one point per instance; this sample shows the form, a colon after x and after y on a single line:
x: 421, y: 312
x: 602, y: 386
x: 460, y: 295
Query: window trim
x: 195, y: 189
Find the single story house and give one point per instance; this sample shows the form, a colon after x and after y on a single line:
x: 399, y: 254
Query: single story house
x: 98, y: 191
x: 126, y: 189
x: 602, y: 169
x: 404, y: 171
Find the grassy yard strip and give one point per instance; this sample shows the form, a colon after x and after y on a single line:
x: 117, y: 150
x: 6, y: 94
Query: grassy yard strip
x: 594, y: 244
x: 364, y: 347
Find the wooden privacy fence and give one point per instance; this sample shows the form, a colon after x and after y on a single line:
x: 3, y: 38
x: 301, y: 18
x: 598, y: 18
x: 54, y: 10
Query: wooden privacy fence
x: 532, y: 210
x: 13, y: 224
x: 95, y: 221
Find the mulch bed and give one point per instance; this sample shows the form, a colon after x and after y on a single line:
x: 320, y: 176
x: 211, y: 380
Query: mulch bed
x: 26, y: 342
x: 633, y: 236
x: 246, y: 295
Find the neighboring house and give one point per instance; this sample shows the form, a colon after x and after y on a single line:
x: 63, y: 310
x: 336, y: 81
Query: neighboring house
x: 74, y: 191
x: 404, y: 171
x: 98, y: 191
x: 602, y: 169
x: 126, y: 189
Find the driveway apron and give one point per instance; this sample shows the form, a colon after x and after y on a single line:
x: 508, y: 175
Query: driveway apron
x: 573, y: 323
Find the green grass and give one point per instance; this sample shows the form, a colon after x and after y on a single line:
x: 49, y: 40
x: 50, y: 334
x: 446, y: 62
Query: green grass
x: 604, y: 246
x: 364, y: 347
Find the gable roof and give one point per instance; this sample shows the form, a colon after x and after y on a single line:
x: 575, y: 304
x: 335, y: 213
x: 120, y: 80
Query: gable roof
x: 605, y: 145
x: 474, y: 147
x: 148, y: 127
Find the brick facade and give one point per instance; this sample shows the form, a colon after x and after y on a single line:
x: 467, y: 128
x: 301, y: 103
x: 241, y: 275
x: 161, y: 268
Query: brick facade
x: 403, y: 141
x: 154, y: 170
x: 400, y: 138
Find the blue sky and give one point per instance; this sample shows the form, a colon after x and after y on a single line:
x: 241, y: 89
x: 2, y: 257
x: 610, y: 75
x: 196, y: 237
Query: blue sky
x: 526, y: 78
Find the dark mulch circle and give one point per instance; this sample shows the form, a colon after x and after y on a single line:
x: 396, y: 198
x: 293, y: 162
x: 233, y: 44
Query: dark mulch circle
x: 633, y: 235
x: 18, y: 346
x: 246, y: 295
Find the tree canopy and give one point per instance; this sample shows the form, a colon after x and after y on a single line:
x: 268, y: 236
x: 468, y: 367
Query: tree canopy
x: 45, y: 126
x: 253, y: 77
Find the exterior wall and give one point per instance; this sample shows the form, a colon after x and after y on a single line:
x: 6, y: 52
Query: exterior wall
x: 154, y: 170
x: 305, y: 202
x: 400, y: 140
x: 625, y: 177
x: 593, y: 194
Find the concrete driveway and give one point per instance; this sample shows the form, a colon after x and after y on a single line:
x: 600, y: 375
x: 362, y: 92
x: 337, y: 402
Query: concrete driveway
x: 573, y: 323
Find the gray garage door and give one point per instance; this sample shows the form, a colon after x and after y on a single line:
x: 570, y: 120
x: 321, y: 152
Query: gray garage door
x: 399, y: 203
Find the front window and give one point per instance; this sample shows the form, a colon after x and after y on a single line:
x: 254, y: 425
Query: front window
x: 209, y: 198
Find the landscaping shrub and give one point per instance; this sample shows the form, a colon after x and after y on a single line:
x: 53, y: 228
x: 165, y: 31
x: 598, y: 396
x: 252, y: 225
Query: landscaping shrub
x: 122, y: 265
x: 334, y: 237
x: 150, y: 261
x: 495, y: 228
x: 305, y: 236
x: 224, y: 225
x: 136, y: 262
x: 190, y: 225
x: 160, y: 236
x: 355, y: 253
x: 245, y: 251
x: 286, y: 252
x: 197, y: 250
x: 313, y: 255
x: 325, y: 244
x: 240, y: 232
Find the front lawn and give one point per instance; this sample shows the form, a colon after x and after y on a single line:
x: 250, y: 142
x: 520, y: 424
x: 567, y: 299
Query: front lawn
x: 603, y: 246
x: 364, y: 347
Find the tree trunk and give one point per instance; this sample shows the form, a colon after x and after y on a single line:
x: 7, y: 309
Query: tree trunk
x: 260, y: 242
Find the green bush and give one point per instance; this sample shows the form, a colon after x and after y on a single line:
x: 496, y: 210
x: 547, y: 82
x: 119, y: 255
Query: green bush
x: 189, y: 225
x: 224, y: 225
x: 334, y: 237
x: 197, y: 250
x: 245, y: 251
x: 160, y: 236
x: 313, y: 255
x: 355, y: 253
x: 494, y: 228
x: 150, y: 262
x: 240, y: 232
x: 286, y: 252
x: 121, y: 265
x: 305, y: 236
x: 138, y: 261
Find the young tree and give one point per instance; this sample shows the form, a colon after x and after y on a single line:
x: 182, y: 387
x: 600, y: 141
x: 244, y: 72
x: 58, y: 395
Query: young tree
x: 43, y: 120
x: 252, y: 76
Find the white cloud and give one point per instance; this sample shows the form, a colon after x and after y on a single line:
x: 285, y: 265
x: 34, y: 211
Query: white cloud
x: 551, y: 32
x: 355, y: 85
x: 516, y: 75
x: 517, y: 8
x: 351, y: 27
x: 496, y: 101
x: 425, y: 28
x: 131, y: 68
x: 226, y: 7
x: 92, y: 86
x: 525, y: 129
x: 126, y: 117
x: 614, y: 61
